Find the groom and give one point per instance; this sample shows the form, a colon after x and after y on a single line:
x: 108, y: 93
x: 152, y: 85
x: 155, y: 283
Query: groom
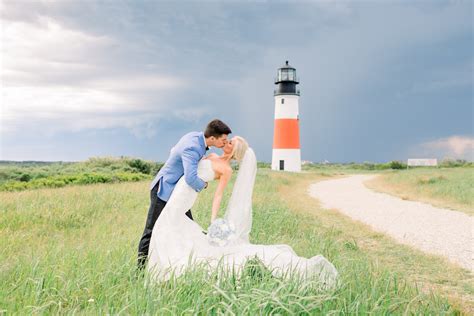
x: 183, y: 160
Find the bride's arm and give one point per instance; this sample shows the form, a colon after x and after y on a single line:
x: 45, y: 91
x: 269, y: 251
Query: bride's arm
x: 216, y: 202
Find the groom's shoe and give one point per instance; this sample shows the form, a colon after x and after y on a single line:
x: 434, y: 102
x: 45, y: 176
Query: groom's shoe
x: 204, y: 232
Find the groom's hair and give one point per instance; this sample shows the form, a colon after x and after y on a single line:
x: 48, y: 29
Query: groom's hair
x: 216, y: 128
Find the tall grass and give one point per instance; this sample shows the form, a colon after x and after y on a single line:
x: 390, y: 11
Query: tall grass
x: 444, y: 187
x: 73, y: 250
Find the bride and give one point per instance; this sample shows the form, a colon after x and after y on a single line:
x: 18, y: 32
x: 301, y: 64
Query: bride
x: 176, y: 238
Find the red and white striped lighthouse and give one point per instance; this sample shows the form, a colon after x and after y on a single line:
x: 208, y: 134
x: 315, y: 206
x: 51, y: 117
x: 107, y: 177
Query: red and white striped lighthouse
x: 286, y: 138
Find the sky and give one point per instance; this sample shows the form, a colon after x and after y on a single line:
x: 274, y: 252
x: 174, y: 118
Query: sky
x: 379, y: 80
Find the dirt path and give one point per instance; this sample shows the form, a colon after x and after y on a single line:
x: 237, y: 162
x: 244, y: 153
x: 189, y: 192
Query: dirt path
x: 433, y: 230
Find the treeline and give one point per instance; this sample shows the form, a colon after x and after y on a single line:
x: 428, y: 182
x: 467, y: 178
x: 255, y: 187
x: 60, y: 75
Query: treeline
x: 395, y: 164
x: 16, y: 176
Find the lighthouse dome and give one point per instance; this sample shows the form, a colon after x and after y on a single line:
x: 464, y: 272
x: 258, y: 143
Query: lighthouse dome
x: 286, y: 80
x: 286, y: 73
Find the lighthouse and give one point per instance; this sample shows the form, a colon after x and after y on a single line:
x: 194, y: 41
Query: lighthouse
x: 286, y: 138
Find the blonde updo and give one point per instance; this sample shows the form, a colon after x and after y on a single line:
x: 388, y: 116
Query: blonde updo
x: 240, y: 147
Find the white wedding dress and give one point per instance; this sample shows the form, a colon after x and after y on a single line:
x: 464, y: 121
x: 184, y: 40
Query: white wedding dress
x: 177, y: 241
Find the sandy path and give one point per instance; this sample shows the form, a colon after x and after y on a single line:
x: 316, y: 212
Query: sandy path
x: 433, y: 230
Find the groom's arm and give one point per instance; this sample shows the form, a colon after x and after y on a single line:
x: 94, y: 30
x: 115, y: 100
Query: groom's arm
x: 190, y: 162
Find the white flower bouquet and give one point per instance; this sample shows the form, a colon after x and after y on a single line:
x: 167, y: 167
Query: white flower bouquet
x: 220, y: 232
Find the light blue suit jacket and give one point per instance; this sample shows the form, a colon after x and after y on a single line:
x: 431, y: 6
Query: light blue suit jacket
x: 183, y: 160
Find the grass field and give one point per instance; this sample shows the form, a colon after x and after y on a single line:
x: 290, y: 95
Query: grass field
x: 451, y: 188
x: 73, y: 249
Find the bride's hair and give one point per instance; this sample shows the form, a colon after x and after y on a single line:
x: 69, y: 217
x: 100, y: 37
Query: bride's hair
x: 240, y: 147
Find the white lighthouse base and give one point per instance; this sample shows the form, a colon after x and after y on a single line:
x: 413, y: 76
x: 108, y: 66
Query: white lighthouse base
x: 286, y: 160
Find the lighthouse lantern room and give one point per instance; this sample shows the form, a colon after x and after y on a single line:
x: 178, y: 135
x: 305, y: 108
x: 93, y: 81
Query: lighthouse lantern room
x: 286, y: 138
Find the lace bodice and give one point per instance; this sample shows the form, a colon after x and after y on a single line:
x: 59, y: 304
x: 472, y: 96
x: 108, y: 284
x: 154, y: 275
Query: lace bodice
x: 205, y: 171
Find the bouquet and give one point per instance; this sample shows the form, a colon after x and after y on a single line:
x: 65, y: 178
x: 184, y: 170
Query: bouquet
x: 220, y: 232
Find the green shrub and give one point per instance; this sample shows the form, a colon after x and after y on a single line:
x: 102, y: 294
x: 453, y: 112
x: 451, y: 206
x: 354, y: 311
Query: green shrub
x: 452, y: 163
x: 71, y: 179
x: 94, y: 170
x: 382, y: 166
x: 397, y: 165
x: 25, y: 177
x: 140, y: 165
